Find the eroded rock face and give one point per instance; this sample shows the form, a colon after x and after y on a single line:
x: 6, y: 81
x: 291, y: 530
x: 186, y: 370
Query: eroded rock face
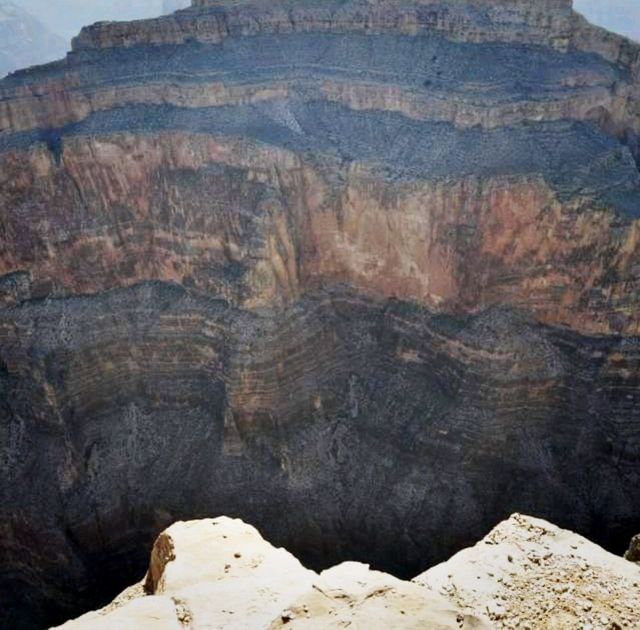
x: 633, y: 553
x: 364, y: 274
x: 526, y: 573
x: 530, y: 573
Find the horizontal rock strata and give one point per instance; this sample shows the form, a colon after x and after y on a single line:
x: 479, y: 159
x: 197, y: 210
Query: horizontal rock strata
x: 365, y: 274
x: 257, y: 204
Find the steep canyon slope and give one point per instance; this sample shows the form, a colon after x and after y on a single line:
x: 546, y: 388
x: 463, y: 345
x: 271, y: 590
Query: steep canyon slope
x: 364, y: 273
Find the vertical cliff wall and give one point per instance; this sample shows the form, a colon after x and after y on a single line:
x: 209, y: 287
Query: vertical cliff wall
x: 362, y: 273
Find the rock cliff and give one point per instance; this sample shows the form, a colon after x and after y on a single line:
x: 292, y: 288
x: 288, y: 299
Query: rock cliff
x: 364, y: 273
x: 526, y: 573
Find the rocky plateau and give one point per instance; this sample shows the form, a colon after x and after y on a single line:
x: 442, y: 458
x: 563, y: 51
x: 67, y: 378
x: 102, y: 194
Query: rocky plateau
x: 363, y: 273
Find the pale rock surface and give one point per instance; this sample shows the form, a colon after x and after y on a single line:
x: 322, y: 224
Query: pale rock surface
x: 351, y: 595
x: 222, y: 574
x: 526, y: 573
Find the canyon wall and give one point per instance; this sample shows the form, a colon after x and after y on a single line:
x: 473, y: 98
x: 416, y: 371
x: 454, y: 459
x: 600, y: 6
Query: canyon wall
x: 363, y: 273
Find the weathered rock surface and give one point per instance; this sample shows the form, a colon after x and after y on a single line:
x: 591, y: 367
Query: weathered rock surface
x: 526, y: 573
x: 633, y: 553
x: 222, y: 574
x: 499, y: 161
x: 365, y: 274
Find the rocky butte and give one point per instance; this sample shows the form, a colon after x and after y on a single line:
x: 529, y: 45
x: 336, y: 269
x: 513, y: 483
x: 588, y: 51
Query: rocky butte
x: 364, y: 273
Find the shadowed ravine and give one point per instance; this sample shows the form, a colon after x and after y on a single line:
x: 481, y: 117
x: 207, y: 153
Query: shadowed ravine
x: 321, y: 269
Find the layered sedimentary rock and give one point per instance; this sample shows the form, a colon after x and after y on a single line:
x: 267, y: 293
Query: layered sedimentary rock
x: 525, y: 573
x: 363, y: 273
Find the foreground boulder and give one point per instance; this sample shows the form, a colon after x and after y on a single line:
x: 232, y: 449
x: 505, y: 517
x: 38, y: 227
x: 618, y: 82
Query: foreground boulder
x: 633, y: 553
x: 221, y: 573
x: 527, y: 573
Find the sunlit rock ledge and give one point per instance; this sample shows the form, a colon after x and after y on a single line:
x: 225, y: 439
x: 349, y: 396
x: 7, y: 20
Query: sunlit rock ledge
x: 526, y: 573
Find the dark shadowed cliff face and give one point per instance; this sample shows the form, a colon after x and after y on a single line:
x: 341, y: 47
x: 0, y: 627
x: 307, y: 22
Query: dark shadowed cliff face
x: 365, y: 274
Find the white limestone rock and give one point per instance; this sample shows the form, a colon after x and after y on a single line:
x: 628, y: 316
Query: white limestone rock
x: 526, y: 573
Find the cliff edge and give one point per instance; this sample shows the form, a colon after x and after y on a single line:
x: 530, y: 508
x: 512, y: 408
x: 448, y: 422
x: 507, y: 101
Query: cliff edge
x: 526, y: 573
